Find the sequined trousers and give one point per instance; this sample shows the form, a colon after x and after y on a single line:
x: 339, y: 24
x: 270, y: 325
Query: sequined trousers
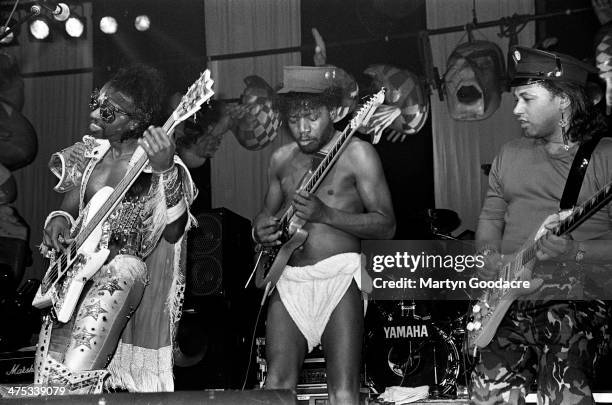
x: 76, y: 353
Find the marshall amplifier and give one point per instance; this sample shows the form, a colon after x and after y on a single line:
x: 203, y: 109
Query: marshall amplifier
x: 17, y: 366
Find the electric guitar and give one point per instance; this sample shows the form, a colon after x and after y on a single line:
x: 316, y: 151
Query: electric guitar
x: 68, y: 271
x: 490, y: 309
x: 271, y: 261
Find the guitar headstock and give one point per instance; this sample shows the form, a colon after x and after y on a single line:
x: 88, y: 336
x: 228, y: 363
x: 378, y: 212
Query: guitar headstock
x: 362, y: 117
x: 197, y: 94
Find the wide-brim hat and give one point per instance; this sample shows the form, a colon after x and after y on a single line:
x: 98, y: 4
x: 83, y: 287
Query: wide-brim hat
x: 318, y: 79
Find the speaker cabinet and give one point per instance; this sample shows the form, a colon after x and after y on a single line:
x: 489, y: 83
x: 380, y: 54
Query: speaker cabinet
x: 218, y: 313
x: 219, y: 254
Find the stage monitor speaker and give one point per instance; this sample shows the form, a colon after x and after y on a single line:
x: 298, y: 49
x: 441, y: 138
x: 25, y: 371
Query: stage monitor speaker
x: 254, y: 397
x: 219, y: 254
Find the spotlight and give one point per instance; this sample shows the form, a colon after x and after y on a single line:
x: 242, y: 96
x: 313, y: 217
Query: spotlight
x: 39, y: 29
x: 61, y: 12
x: 142, y: 23
x: 74, y: 27
x: 108, y: 25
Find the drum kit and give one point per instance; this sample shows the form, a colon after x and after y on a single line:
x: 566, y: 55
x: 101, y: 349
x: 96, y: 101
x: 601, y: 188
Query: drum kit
x: 411, y: 344
x: 415, y: 343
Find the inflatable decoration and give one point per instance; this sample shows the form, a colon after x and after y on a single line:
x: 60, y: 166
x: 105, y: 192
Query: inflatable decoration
x: 474, y: 80
x: 603, y: 59
x: 350, y: 91
x: 18, y: 142
x: 254, y: 121
x: 404, y: 91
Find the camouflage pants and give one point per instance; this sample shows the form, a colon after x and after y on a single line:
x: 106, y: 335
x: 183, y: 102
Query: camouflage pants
x: 556, y: 342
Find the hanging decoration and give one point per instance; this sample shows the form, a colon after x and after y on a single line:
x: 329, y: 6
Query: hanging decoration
x: 404, y: 91
x: 18, y: 141
x: 473, y: 80
x: 603, y: 59
x: 255, y: 122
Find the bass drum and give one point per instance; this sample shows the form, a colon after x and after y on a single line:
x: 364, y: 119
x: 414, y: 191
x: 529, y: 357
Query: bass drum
x: 408, y: 351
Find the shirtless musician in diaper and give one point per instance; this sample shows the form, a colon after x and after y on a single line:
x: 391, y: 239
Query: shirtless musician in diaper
x: 317, y: 299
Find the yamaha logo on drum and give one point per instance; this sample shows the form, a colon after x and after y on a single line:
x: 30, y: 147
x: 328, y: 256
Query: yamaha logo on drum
x: 406, y: 331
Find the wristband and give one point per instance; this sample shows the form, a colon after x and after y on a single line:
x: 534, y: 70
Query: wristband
x: 60, y: 213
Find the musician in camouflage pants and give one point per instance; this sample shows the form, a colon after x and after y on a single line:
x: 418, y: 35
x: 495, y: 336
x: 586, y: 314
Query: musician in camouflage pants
x: 556, y: 343
x: 552, y: 336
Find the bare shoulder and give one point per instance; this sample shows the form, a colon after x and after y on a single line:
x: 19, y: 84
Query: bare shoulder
x: 283, y: 153
x: 361, y: 153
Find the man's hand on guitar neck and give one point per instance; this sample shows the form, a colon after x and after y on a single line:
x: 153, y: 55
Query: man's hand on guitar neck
x: 159, y: 148
x: 266, y: 231
x: 493, y: 264
x: 551, y: 246
x: 56, y: 234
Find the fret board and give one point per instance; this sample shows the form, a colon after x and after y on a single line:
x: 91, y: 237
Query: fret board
x: 576, y: 218
x: 119, y: 190
x: 363, y: 115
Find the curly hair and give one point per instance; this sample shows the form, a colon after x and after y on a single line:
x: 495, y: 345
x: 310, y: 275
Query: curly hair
x: 145, y: 85
x: 586, y: 120
x: 330, y: 98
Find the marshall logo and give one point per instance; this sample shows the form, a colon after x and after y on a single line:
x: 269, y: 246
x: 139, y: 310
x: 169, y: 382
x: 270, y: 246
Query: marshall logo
x: 19, y: 369
x: 406, y: 331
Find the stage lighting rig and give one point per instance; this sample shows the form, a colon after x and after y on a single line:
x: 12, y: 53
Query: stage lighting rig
x: 75, y: 27
x: 108, y: 25
x: 40, y: 29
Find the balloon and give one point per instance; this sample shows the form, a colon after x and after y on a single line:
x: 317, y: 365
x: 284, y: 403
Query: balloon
x: 405, y: 91
x: 603, y: 58
x: 255, y: 121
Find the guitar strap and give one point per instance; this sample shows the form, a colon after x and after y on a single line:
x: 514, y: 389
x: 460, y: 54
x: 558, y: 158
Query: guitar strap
x: 576, y: 174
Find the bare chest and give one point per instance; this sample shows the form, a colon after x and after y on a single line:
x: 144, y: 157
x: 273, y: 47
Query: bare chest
x: 336, y: 188
x: 105, y: 173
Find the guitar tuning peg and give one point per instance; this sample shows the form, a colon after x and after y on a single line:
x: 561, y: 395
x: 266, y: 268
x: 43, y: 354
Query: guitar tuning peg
x: 470, y: 326
x: 477, y: 325
x: 476, y: 309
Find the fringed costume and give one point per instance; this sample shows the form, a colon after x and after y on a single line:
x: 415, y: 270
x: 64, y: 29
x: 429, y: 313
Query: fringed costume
x: 121, y: 332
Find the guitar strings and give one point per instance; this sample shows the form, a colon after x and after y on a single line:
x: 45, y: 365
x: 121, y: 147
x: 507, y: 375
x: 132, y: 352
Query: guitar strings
x: 52, y: 274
